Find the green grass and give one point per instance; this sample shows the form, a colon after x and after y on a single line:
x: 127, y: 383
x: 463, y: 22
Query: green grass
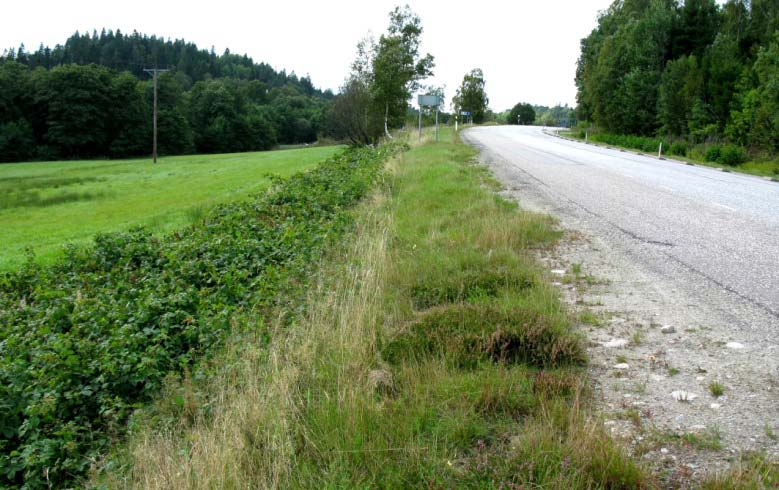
x: 716, y: 389
x: 46, y: 205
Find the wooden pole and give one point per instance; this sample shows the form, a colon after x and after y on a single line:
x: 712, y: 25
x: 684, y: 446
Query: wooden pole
x: 154, y: 71
x: 154, y: 145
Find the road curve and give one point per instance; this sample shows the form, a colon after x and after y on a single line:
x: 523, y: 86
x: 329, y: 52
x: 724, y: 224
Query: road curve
x: 712, y: 234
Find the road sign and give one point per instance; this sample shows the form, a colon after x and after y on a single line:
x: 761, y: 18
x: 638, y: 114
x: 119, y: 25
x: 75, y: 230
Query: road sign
x: 429, y: 100
x: 465, y: 113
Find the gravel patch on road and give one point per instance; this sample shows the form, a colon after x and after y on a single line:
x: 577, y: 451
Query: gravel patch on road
x: 686, y: 374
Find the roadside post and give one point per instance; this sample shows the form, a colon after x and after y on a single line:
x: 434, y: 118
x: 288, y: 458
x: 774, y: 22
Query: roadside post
x: 428, y: 101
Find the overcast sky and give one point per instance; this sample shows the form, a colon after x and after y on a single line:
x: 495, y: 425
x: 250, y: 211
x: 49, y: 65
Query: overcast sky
x: 527, y: 49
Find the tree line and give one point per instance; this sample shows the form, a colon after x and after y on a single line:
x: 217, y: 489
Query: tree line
x: 90, y: 98
x: 693, y: 69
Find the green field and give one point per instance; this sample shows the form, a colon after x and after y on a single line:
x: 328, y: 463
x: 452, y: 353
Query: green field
x: 46, y: 205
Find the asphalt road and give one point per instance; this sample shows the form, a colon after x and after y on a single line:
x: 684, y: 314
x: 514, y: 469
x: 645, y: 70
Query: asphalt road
x: 713, y: 235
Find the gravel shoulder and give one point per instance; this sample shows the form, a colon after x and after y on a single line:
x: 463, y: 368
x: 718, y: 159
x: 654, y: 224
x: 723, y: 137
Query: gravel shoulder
x: 664, y: 341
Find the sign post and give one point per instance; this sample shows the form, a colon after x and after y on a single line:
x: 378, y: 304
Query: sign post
x: 428, y: 101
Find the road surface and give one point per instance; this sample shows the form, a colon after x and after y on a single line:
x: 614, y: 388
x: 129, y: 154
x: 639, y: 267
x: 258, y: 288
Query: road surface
x: 710, y: 234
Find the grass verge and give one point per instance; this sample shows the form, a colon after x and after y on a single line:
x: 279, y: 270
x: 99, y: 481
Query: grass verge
x: 431, y: 353
x: 692, y: 155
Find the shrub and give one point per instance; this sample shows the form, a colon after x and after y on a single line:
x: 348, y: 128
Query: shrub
x: 732, y: 155
x: 678, y: 148
x: 713, y: 153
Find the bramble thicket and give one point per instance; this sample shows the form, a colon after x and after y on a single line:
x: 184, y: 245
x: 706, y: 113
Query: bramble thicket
x: 87, y: 340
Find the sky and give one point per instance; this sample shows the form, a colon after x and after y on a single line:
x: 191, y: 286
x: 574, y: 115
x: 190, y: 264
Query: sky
x: 527, y: 49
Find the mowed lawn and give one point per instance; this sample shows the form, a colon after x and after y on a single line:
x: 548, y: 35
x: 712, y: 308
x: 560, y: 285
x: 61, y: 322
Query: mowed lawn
x: 46, y: 205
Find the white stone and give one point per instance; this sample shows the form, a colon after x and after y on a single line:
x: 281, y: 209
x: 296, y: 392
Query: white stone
x: 734, y: 345
x: 615, y: 343
x: 664, y: 450
x: 559, y: 272
x: 622, y: 365
x: 698, y: 427
x: 715, y: 406
x: 668, y: 329
x: 700, y: 378
x: 683, y: 396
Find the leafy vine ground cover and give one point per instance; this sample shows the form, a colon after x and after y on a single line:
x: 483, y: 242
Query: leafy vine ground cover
x: 90, y: 338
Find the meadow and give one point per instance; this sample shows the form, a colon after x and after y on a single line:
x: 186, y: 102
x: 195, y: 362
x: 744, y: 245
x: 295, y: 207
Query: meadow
x: 48, y: 204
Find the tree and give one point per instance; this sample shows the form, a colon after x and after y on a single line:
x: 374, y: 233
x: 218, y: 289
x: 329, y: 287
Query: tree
x: 129, y: 127
x: 397, y: 67
x: 471, y: 96
x: 681, y: 85
x: 522, y: 113
x: 756, y: 123
x: 79, y: 105
x: 173, y: 127
x: 349, y: 113
x: 696, y: 28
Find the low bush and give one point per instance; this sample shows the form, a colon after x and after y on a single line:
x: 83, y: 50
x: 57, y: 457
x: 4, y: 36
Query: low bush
x: 713, y: 153
x: 640, y: 143
x: 678, y: 148
x: 732, y: 155
x: 90, y: 338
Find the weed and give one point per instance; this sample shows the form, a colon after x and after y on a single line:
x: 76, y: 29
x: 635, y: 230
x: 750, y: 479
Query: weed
x: 590, y: 318
x: 639, y: 388
x: 633, y: 415
x: 716, y: 389
x: 751, y: 470
x: 622, y: 359
x: 576, y: 269
x: 710, y: 440
x: 672, y: 371
x: 769, y: 432
x: 636, y: 338
x: 196, y: 214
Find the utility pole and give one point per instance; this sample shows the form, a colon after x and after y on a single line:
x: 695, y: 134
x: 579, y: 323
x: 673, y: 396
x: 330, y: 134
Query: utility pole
x: 154, y: 72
